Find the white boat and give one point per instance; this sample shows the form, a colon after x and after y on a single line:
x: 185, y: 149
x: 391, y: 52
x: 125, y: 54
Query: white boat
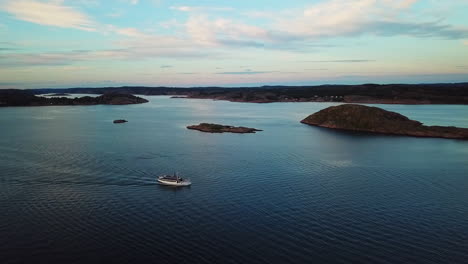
x: 173, y: 180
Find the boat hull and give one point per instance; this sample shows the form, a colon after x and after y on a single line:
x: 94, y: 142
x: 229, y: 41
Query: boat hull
x: 177, y: 184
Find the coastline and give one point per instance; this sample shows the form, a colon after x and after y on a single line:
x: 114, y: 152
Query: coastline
x: 438, y: 93
x: 377, y: 101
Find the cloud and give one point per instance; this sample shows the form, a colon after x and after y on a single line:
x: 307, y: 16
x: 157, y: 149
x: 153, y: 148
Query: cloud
x: 209, y: 35
x: 356, y: 17
x: 49, y: 13
x: 201, y: 8
x: 341, y: 61
x: 128, y: 32
x: 133, y: 49
x: 7, y: 49
x: 135, y: 45
x: 41, y: 59
x: 420, y: 30
x: 10, y: 46
x: 327, y: 19
x: 9, y: 83
x: 246, y: 72
x: 54, y: 13
x: 74, y: 68
x: 224, y: 32
x: 8, y: 43
x: 292, y: 29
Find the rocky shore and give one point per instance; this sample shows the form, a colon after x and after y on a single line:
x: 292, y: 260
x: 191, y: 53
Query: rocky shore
x: 376, y: 120
x: 216, y: 128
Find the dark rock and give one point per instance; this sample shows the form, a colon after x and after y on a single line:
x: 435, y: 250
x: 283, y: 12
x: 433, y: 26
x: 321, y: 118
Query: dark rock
x: 216, y: 128
x: 120, y: 121
x: 376, y: 120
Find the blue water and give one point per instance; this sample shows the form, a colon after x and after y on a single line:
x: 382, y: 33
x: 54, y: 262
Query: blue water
x: 76, y: 188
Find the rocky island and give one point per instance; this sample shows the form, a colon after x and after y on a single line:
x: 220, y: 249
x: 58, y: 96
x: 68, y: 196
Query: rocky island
x: 118, y: 99
x: 27, y: 98
x: 376, y: 120
x: 120, y: 121
x: 216, y: 128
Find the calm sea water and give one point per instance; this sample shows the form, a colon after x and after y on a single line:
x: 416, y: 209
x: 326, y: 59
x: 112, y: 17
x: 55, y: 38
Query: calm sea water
x: 76, y: 188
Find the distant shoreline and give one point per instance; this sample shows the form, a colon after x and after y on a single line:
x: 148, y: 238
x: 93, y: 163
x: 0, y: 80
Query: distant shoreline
x: 323, y: 100
x: 409, y: 94
x: 442, y: 93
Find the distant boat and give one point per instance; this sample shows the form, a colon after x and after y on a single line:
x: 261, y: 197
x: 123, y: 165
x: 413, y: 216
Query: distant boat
x: 173, y: 180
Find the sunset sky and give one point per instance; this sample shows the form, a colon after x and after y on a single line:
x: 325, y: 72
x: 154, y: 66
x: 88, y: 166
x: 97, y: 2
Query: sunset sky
x: 92, y: 43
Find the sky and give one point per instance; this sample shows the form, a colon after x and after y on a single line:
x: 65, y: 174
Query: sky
x: 187, y: 43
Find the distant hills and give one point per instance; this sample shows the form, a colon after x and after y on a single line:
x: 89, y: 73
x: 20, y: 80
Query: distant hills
x: 444, y: 93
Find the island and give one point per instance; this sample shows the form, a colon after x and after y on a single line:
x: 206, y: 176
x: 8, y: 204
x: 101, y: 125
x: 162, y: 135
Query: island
x: 118, y: 99
x: 27, y: 98
x: 120, y: 121
x: 376, y: 120
x: 216, y: 128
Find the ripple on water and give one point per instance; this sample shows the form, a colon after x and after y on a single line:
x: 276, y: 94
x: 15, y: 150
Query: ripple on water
x: 291, y: 194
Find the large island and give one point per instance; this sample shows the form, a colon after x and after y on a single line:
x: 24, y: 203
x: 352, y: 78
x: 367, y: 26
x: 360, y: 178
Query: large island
x: 26, y: 98
x: 376, y: 120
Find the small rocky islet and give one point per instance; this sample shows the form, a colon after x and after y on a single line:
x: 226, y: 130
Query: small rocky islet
x: 217, y: 128
x: 362, y: 118
x: 120, y: 121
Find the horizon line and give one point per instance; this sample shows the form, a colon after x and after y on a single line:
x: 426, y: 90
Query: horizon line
x: 230, y: 87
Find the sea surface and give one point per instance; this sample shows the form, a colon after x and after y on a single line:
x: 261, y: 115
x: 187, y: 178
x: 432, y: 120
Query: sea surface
x: 76, y: 188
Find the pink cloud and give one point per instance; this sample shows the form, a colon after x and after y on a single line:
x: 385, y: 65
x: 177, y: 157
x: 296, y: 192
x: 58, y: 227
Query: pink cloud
x: 49, y: 13
x: 200, y: 8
